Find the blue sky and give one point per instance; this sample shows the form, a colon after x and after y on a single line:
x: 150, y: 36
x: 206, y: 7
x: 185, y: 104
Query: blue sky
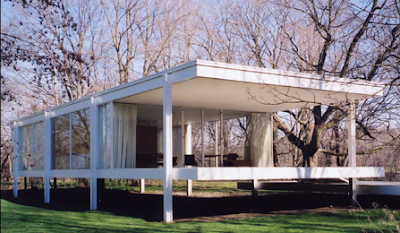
x: 5, y: 9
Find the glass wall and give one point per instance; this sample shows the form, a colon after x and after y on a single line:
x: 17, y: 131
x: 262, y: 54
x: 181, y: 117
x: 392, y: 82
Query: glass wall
x: 26, y: 154
x: 38, y: 146
x: 72, y: 140
x: 61, y: 142
x: 80, y: 126
x: 32, y: 147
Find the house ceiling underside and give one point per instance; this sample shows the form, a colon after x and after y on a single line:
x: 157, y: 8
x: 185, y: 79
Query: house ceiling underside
x: 234, y: 98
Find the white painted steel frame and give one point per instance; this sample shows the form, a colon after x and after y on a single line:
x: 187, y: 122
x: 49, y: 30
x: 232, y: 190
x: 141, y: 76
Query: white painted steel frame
x: 214, y: 70
x: 167, y: 147
x: 351, y: 119
x: 48, y: 154
x: 32, y: 173
x: 17, y: 153
x: 165, y: 80
x: 249, y: 74
x: 221, y: 141
x: 94, y: 151
x: 202, y: 137
x: 131, y: 173
x: 181, y: 161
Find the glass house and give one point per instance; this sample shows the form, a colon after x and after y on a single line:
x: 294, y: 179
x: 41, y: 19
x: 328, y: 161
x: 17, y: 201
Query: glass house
x: 142, y: 129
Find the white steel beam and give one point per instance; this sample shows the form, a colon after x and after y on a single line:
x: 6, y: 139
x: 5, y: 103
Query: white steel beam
x: 31, y: 120
x: 131, y: 173
x: 286, y: 78
x: 71, y: 173
x: 72, y: 106
x: 32, y: 173
x: 266, y: 173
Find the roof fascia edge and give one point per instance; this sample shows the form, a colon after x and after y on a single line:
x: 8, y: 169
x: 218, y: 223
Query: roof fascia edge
x: 288, y: 73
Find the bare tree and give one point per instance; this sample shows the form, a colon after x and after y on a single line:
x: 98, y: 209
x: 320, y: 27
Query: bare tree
x: 344, y: 31
x: 335, y: 38
x: 48, y: 44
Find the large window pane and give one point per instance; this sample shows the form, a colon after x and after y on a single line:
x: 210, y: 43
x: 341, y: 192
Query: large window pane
x: 38, y: 146
x: 80, y: 158
x: 62, y: 142
x: 25, y: 160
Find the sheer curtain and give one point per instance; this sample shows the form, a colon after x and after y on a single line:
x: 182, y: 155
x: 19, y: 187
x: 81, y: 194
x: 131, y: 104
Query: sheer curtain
x: 106, y: 118
x: 261, y: 139
x: 124, y: 135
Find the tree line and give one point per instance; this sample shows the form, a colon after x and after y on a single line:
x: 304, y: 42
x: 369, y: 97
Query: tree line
x: 55, y: 51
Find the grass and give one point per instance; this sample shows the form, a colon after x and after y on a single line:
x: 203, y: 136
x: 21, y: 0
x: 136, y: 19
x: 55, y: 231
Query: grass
x: 227, y: 187
x: 21, y: 218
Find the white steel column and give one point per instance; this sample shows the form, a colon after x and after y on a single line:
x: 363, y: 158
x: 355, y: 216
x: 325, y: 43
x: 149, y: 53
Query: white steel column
x: 33, y: 147
x: 17, y: 141
x: 167, y: 147
x: 188, y: 150
x: 216, y: 143
x: 48, y: 140
x: 181, y: 160
x: 189, y: 189
x: 255, y: 187
x: 111, y: 134
x: 352, y: 149
x: 70, y: 140
x: 94, y: 151
x: 221, y: 141
x: 202, y: 137
x: 142, y: 185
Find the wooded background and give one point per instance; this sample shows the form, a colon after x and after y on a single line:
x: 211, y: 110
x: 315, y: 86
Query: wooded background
x: 56, y: 51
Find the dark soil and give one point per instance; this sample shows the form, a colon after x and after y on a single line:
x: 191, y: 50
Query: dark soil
x: 199, y: 208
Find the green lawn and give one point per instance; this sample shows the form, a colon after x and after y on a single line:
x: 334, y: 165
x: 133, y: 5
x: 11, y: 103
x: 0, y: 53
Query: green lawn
x: 20, y: 218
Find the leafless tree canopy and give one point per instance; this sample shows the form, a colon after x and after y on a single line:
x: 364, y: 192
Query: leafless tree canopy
x: 55, y: 51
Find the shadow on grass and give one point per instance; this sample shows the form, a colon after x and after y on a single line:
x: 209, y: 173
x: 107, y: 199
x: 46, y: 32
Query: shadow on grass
x: 150, y: 206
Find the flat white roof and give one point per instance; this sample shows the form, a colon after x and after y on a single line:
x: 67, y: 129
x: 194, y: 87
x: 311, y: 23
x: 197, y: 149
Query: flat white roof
x: 233, y: 88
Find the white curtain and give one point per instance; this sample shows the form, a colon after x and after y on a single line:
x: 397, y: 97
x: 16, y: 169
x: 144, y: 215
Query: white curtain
x: 188, y: 139
x: 124, y: 134
x: 261, y: 139
x: 106, y: 118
